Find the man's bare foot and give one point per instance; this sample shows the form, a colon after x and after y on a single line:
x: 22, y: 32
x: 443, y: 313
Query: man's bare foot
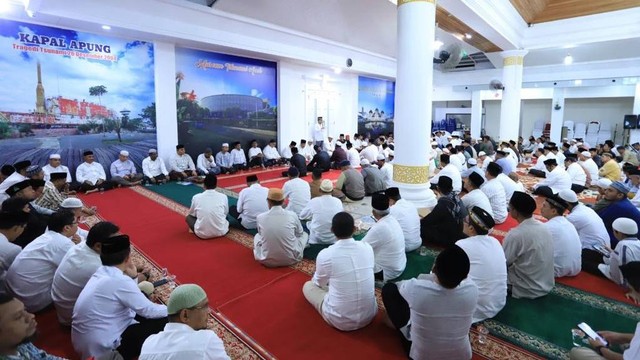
x: 90, y: 191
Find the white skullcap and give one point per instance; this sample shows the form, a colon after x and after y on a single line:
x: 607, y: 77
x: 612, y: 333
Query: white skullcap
x: 586, y: 154
x: 472, y: 161
x: 434, y: 143
x: 380, y: 157
x: 603, y: 183
x: 391, y: 152
x: 579, y: 143
x: 54, y: 156
x: 124, y: 153
x: 573, y: 140
x: 482, y: 153
x: 568, y: 196
x: 364, y: 162
x: 153, y: 151
x: 225, y: 144
x: 625, y: 226
x: 146, y: 287
x: 71, y: 203
x: 455, y: 133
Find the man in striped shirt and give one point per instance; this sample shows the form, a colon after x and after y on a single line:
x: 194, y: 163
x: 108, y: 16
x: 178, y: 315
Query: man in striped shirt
x: 52, y: 195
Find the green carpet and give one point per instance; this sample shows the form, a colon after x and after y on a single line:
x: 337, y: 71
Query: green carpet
x: 542, y: 326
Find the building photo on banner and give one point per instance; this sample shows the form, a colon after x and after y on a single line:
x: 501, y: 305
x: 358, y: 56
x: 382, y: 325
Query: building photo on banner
x: 223, y: 99
x: 66, y: 92
x: 376, y: 104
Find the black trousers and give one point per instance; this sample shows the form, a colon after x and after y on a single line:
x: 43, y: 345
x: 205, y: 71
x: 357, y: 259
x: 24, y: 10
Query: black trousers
x: 256, y: 161
x: 577, y: 188
x: 135, y: 335
x: 537, y: 173
x: 105, y: 185
x: 227, y: 170
x: 590, y: 261
x: 237, y: 167
x: 398, y: 311
x: 158, y: 178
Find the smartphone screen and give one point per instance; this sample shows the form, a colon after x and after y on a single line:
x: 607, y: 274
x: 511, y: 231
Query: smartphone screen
x: 592, y: 334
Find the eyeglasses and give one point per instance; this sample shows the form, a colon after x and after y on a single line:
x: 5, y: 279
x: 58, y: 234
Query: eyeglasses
x: 201, y: 307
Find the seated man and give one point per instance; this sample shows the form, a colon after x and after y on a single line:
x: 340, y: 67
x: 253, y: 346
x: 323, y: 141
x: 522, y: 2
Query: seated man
x: 76, y: 268
x: 567, y: 249
x: 297, y: 191
x: 619, y: 206
x: 386, y: 239
x: 12, y: 224
x: 123, y: 171
x: 91, y: 175
x: 488, y: 264
x: 53, y: 194
x: 627, y: 250
x: 31, y: 274
x: 631, y: 273
x: 557, y: 179
x: 18, y: 175
x: 342, y: 288
x: 286, y: 151
x: 181, y: 166
x: 21, y: 201
x: 104, y: 317
x: 224, y: 160
x: 321, y: 211
x: 252, y: 201
x: 238, y: 157
x: 280, y: 240
x: 373, y: 178
x: 610, y: 168
x: 185, y: 336
x: 590, y: 228
x: 256, y: 157
x: 496, y: 194
x: 154, y: 169
x: 298, y: 161
x: 449, y: 170
x: 54, y: 166
x: 321, y: 160
x: 502, y: 159
x: 307, y: 150
x: 443, y: 225
x: 475, y: 196
x: 407, y: 215
x: 339, y: 155
x: 205, y: 163
x: 208, y: 213
x: 353, y: 155
x: 18, y: 328
x: 529, y: 251
x: 576, y: 172
x: 316, y: 181
x: 350, y: 183
x: 472, y: 166
x: 271, y: 155
x: 434, y: 312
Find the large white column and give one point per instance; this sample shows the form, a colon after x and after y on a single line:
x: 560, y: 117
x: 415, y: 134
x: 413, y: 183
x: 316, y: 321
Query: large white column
x: 557, y: 116
x: 166, y: 105
x: 414, y: 94
x: 476, y: 114
x: 513, y: 61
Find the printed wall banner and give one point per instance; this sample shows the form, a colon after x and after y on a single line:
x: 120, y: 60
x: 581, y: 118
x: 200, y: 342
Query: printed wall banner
x: 224, y: 99
x: 63, y: 91
x: 376, y: 103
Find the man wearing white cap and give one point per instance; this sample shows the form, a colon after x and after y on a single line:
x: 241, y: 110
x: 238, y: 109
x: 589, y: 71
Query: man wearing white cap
x: 455, y: 141
x: 601, y: 186
x: 224, y: 160
x: 386, y: 169
x: 589, y: 166
x: 620, y: 206
x: 483, y: 160
x: 567, y: 248
x: 76, y: 206
x: 370, y: 152
x: 320, y: 211
x: 185, y: 336
x: 54, y: 166
x: 123, y: 171
x: 153, y: 168
x: 627, y: 250
x: 472, y: 166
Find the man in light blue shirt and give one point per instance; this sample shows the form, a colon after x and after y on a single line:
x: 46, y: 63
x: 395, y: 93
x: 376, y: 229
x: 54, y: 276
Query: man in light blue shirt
x: 123, y: 171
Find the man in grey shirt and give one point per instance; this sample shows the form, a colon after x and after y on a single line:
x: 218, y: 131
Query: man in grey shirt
x: 373, y: 178
x: 350, y: 182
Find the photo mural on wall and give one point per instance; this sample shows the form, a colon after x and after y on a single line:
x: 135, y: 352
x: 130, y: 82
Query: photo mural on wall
x: 375, y: 106
x: 224, y: 99
x: 63, y: 91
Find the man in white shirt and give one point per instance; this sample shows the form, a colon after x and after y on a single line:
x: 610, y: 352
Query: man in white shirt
x: 472, y: 166
x: 205, y: 163
x: 318, y: 133
x: 557, y: 179
x: 508, y: 184
x: 181, y: 166
x: 224, y: 160
x: 185, y: 336
x: 154, y: 169
x: 455, y: 158
x: 256, y: 157
x: 31, y: 274
x: 488, y: 264
x: 77, y: 267
x: 297, y: 191
x: 91, y: 175
x: 55, y: 166
x: 271, y: 155
x: 539, y: 170
x: 386, y: 169
x: 484, y: 160
x: 567, y: 248
x: 252, y: 201
x: 320, y: 211
x: 306, y: 150
x: 353, y: 155
x: 450, y: 171
x: 207, y: 216
x: 406, y: 214
x: 286, y: 151
x: 386, y: 239
x: 342, y: 288
x: 434, y: 312
x: 17, y: 176
x: 12, y: 224
x: 577, y: 174
x: 238, y: 157
x: 104, y: 316
x: 475, y: 196
x: 370, y: 153
x: 280, y: 240
x: 329, y: 146
x: 496, y: 194
x: 123, y: 171
x: 627, y: 250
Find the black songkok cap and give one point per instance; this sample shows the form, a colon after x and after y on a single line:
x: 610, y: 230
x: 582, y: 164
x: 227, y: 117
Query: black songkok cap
x: 58, y: 175
x: 503, y: 153
x: 36, y: 183
x: 179, y: 146
x: 7, y: 170
x: 15, y: 188
x: 380, y: 201
x: 476, y: 179
x: 392, y: 192
x: 631, y: 273
x: 482, y: 218
x: 550, y: 162
x: 115, y: 244
x: 493, y: 167
x: 523, y: 203
x: 252, y: 178
x: 21, y: 165
x: 10, y: 219
x: 87, y: 153
x: 557, y: 202
x: 445, y: 183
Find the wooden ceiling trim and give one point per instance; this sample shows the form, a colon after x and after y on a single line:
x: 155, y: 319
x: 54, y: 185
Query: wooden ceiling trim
x: 449, y: 23
x: 529, y: 9
x: 565, y: 9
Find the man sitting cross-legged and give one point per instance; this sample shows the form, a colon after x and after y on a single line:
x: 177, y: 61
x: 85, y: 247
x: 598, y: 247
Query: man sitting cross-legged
x: 280, y: 240
x: 320, y: 211
x: 123, y: 171
x: 185, y: 336
x: 153, y: 168
x: 475, y: 196
x: 488, y: 264
x: 342, y: 288
x: 443, y: 225
x: 433, y: 313
x: 252, y: 202
x: 567, y: 249
x: 529, y: 251
x: 208, y: 213
x: 297, y: 191
x: 206, y: 163
x: 104, y: 317
x: 619, y: 206
x: 407, y: 215
x: 387, y: 240
x: 626, y: 251
x: 90, y: 174
x: 12, y: 224
x: 181, y: 166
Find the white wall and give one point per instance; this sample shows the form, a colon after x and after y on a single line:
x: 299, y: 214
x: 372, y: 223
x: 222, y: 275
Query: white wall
x: 532, y: 111
x: 608, y: 111
x: 491, y: 124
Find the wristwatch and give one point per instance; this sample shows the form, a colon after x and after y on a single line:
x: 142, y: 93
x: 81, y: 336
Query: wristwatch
x: 598, y: 349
